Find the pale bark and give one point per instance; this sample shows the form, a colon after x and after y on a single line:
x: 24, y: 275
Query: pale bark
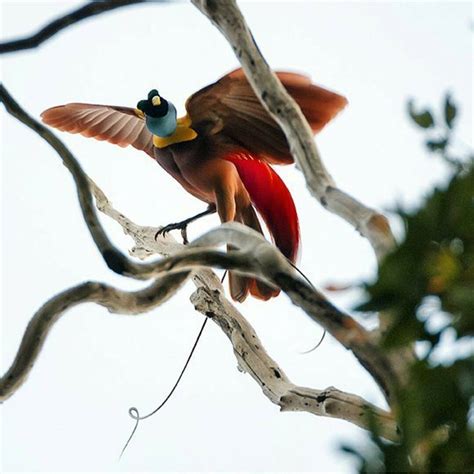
x: 227, y: 17
x: 254, y: 256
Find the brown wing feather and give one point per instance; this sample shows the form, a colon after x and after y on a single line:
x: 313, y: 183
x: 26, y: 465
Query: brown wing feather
x: 118, y: 125
x: 230, y: 108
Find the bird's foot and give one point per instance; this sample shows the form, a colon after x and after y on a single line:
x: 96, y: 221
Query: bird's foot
x: 183, y: 226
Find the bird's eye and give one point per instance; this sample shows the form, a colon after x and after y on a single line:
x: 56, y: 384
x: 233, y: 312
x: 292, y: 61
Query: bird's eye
x: 152, y: 94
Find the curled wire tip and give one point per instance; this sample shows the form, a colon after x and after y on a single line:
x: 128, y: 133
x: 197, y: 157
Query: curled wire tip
x: 133, y: 411
x: 316, y: 346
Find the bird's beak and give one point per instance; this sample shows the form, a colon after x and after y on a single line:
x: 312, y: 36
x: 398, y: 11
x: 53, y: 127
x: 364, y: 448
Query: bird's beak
x: 156, y: 100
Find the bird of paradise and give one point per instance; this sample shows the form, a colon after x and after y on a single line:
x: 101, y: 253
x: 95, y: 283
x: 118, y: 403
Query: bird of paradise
x: 221, y: 152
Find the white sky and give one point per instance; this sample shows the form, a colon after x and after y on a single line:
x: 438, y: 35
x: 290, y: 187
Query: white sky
x: 72, y: 413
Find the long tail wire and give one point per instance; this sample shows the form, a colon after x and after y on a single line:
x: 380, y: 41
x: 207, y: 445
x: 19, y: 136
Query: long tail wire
x: 314, y: 288
x: 133, y: 411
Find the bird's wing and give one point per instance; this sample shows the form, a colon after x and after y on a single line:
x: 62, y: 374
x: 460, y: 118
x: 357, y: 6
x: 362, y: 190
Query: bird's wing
x: 122, y: 126
x: 229, y: 107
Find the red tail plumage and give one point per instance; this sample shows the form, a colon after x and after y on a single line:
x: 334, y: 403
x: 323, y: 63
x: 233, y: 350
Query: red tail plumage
x: 272, y: 199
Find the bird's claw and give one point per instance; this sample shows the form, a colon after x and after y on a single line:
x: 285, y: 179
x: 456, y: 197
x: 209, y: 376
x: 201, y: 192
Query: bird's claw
x: 176, y: 226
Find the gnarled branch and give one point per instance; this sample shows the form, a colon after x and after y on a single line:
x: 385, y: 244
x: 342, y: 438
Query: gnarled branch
x: 256, y: 256
x: 261, y: 260
x: 209, y: 299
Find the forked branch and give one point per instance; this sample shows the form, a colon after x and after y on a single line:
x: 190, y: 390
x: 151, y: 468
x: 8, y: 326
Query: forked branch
x: 209, y: 299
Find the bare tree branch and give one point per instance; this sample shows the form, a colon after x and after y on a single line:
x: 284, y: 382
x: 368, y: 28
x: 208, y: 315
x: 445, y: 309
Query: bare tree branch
x: 209, y: 299
x: 227, y: 17
x: 252, y: 358
x: 258, y: 258
x: 45, y: 33
x: 113, y: 257
x: 115, y: 300
x: 255, y: 256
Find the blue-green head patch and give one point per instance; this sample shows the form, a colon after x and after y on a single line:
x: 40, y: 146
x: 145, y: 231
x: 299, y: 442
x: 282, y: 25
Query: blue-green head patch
x: 160, y: 115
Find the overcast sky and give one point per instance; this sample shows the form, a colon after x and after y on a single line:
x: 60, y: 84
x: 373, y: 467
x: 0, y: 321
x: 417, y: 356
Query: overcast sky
x: 72, y: 412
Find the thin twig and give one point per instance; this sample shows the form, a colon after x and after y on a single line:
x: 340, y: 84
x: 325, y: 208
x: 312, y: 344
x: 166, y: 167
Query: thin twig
x: 49, y: 30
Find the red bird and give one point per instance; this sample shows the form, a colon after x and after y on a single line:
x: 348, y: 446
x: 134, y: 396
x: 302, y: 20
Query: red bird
x: 220, y: 152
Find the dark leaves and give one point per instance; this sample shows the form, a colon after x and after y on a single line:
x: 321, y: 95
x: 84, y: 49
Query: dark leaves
x: 437, y: 145
x: 423, y: 119
x: 449, y: 111
x: 440, y: 132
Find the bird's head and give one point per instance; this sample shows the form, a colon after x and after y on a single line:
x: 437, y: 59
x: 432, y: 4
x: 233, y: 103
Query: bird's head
x: 160, y: 115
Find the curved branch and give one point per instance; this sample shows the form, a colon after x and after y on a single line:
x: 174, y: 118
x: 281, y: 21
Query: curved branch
x: 276, y: 386
x: 45, y: 33
x: 114, y: 259
x: 227, y: 17
x: 258, y: 258
x: 115, y: 300
x: 210, y: 300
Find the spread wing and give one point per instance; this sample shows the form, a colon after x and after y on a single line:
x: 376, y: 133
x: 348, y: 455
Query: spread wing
x: 119, y: 125
x: 229, y: 108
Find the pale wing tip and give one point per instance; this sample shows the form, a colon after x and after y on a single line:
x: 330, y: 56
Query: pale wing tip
x: 48, y: 114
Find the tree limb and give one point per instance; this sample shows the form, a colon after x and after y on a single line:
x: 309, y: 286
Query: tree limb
x: 115, y: 300
x: 276, y: 386
x: 227, y: 17
x: 255, y: 257
x: 113, y: 257
x: 210, y: 300
x: 45, y: 33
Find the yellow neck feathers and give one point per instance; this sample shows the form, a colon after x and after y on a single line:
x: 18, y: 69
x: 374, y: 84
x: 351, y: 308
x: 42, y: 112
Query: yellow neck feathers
x: 183, y: 133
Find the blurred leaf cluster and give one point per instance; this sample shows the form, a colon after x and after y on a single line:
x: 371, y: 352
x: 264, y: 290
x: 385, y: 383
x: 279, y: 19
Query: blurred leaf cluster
x: 427, y: 287
x: 440, y: 131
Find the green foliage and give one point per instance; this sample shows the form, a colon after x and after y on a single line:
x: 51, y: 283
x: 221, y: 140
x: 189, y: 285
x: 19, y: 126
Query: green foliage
x: 436, y: 258
x: 429, y: 279
x: 441, y: 131
x: 424, y: 119
x: 449, y: 111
